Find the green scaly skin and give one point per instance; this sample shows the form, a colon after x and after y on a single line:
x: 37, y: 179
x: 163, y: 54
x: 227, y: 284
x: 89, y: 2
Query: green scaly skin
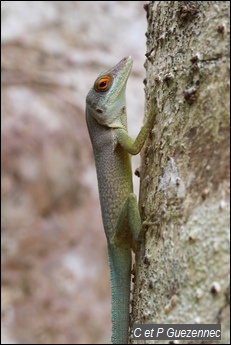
x: 107, y: 124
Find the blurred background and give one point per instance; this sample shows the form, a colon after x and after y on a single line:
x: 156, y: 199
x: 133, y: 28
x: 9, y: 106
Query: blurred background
x: 55, y: 276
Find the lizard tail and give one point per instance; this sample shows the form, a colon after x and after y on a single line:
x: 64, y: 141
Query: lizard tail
x: 120, y: 272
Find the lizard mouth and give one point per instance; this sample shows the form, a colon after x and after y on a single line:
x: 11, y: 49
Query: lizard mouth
x: 125, y: 63
x: 120, y: 79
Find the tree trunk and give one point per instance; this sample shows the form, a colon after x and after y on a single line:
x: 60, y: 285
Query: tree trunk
x: 182, y: 270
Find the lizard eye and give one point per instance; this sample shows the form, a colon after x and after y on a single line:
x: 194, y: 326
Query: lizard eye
x: 103, y: 84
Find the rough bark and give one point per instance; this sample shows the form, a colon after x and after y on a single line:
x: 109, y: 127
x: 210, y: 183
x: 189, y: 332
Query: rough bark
x: 182, y: 271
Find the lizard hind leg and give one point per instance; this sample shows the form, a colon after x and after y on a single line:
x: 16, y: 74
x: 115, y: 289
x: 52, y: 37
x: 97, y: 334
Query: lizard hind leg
x: 128, y: 224
x: 134, y: 217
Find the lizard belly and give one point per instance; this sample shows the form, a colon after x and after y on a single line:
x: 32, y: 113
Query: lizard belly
x: 114, y: 173
x: 115, y: 184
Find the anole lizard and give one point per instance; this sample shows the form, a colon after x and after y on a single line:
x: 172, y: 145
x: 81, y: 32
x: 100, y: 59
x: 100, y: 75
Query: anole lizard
x: 107, y: 125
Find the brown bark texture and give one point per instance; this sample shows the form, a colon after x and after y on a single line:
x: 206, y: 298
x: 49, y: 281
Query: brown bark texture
x: 182, y: 268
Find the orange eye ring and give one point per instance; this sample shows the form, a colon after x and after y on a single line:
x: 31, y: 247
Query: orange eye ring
x: 103, y: 83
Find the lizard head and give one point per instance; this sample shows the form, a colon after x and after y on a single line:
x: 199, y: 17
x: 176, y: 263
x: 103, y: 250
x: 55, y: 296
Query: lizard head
x: 106, y: 99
